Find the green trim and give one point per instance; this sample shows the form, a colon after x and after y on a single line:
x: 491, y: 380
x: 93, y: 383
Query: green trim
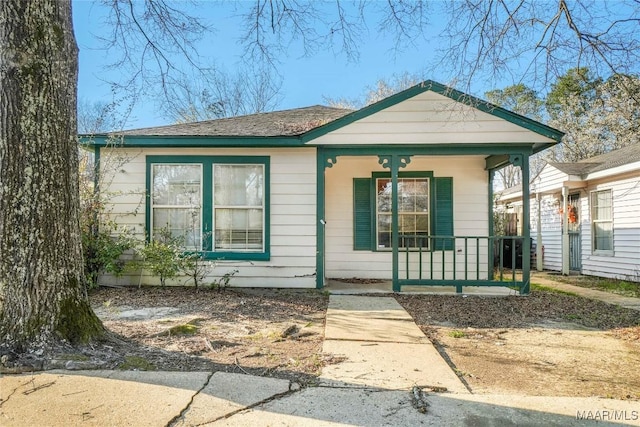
x: 96, y: 169
x: 442, y: 213
x: 456, y: 95
x: 320, y: 211
x: 363, y: 232
x: 484, y: 149
x: 194, y: 141
x: 207, y: 163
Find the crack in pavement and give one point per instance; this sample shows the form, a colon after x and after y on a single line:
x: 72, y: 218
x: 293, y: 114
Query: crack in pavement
x: 172, y: 422
x: 253, y: 405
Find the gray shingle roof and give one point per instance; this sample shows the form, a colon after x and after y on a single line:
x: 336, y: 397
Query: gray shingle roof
x: 277, y: 123
x: 612, y: 159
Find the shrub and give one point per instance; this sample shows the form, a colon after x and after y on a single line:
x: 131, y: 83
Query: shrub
x: 163, y: 256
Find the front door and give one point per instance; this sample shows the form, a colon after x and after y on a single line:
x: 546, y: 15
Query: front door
x: 575, y: 250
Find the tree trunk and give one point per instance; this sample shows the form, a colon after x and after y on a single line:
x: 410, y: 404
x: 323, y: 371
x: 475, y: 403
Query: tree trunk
x: 42, y: 293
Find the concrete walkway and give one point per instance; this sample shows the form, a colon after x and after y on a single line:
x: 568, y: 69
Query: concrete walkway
x: 391, y: 375
x: 608, y: 297
x: 383, y: 347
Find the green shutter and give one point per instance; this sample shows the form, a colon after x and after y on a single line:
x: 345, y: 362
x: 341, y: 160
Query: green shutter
x: 443, y: 223
x: 362, y: 223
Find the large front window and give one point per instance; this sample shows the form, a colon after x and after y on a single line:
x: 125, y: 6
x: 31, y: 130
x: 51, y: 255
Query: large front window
x: 177, y: 201
x: 413, y: 212
x: 602, y: 221
x: 217, y: 205
x: 238, y: 205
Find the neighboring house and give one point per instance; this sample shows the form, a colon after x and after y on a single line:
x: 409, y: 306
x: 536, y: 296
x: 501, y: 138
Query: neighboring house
x: 589, y: 214
x: 291, y: 198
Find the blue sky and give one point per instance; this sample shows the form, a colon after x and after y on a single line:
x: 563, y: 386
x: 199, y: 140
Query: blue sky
x: 306, y: 80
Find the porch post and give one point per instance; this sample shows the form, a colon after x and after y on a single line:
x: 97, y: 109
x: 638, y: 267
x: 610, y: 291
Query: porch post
x: 395, y: 239
x: 526, y: 227
x: 491, y: 241
x: 394, y: 162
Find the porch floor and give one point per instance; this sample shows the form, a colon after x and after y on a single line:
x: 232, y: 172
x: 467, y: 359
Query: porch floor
x: 339, y: 287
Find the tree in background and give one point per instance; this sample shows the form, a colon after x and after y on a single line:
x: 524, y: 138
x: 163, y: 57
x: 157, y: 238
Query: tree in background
x: 539, y: 39
x: 597, y: 115
x: 223, y: 94
x: 382, y: 89
x: 524, y: 101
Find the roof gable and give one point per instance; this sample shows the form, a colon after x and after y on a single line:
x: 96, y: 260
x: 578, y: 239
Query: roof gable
x: 297, y: 127
x: 463, y: 99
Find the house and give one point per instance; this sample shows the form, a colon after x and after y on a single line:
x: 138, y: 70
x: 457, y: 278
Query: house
x: 586, y: 214
x: 291, y: 198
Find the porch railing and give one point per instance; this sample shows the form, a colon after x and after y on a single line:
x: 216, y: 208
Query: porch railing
x: 461, y: 261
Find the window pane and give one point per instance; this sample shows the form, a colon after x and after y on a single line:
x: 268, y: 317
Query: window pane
x: 238, y: 229
x: 176, y: 185
x: 602, y: 220
x: 384, y: 195
x: 603, y: 236
x: 413, y: 207
x: 236, y: 188
x: 238, y: 185
x: 183, y: 224
x: 384, y: 222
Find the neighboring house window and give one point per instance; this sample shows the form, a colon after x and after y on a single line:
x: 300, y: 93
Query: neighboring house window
x: 217, y: 205
x: 602, y: 220
x: 425, y: 208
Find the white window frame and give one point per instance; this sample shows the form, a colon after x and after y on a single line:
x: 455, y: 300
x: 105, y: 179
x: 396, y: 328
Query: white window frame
x: 595, y: 221
x: 428, y: 214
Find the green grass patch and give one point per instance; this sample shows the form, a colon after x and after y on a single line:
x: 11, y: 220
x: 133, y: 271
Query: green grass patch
x: 457, y: 334
x: 615, y: 286
x: 186, y: 329
x: 75, y: 357
x: 542, y: 288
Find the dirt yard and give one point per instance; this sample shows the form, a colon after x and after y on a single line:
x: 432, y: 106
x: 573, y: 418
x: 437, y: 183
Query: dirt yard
x: 543, y: 344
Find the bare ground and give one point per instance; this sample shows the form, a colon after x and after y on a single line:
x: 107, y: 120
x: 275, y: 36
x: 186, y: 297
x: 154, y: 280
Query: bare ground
x: 543, y: 344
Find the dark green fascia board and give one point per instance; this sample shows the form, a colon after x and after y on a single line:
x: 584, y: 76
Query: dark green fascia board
x: 141, y: 141
x: 441, y: 89
x: 486, y: 149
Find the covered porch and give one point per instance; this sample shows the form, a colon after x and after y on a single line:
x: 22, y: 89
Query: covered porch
x: 367, y: 229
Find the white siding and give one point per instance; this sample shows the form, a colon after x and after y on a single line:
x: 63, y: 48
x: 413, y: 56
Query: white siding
x: 470, y: 184
x: 551, y: 221
x: 293, y: 214
x: 550, y: 179
x: 625, y: 261
x: 430, y: 118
